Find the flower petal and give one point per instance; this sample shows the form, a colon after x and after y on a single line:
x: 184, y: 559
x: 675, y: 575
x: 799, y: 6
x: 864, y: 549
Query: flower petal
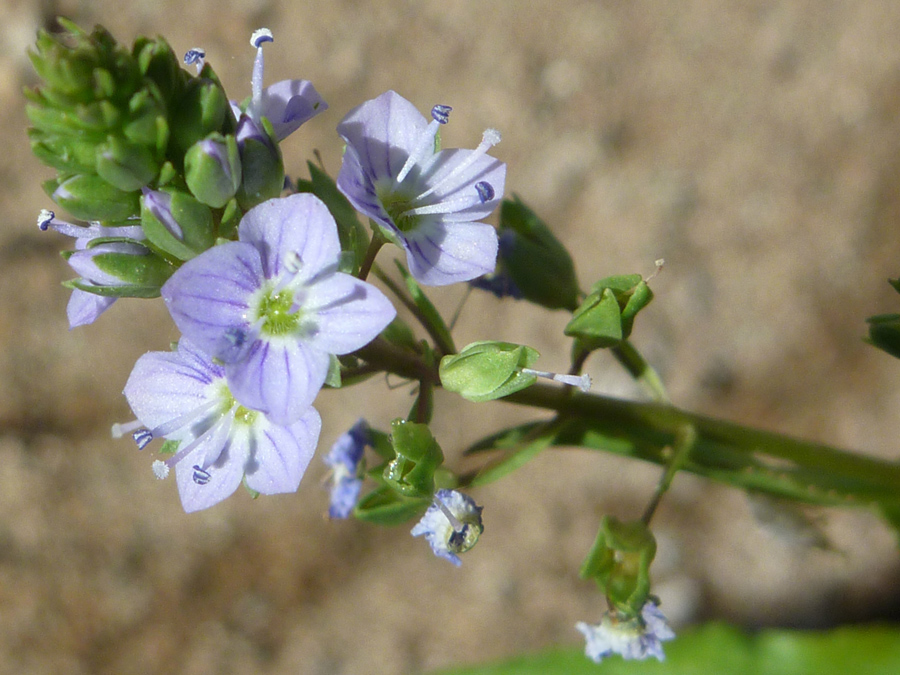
x: 84, y: 307
x: 356, y: 185
x: 438, y: 255
x: 384, y: 131
x: 349, y: 313
x: 281, y: 454
x: 208, y: 295
x: 279, y: 378
x: 290, y: 103
x: 230, y: 445
x: 298, y: 224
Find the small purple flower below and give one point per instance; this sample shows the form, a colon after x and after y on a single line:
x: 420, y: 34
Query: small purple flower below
x: 183, y: 396
x: 635, y: 639
x: 427, y: 201
x: 273, y: 308
x: 346, y: 462
x: 451, y: 525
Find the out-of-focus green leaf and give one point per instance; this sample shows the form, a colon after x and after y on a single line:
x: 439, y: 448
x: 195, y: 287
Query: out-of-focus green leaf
x: 717, y: 649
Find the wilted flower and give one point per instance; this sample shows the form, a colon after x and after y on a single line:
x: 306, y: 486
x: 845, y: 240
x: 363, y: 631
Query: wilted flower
x: 452, y: 524
x: 636, y: 638
x: 345, y: 460
x: 183, y: 396
x: 273, y: 308
x: 427, y: 201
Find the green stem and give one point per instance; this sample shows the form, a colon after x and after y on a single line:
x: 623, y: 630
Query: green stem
x: 640, y: 370
x: 375, y: 245
x: 685, y: 440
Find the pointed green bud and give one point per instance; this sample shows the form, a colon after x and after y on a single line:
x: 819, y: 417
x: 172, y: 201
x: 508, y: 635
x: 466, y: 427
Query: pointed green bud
x: 92, y: 198
x: 201, y: 110
x: 619, y: 561
x: 158, y: 63
x: 534, y: 260
x: 606, y: 316
x: 212, y: 169
x: 125, y: 165
x: 177, y: 223
x: 411, y: 472
x: 117, y: 267
x: 484, y: 371
x: 262, y: 167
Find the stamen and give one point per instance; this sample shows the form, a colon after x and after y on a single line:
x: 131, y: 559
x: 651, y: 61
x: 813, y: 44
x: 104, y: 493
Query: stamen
x: 120, y: 429
x: 583, y: 382
x: 201, y: 476
x: 484, y: 190
x: 259, y: 37
x: 454, y: 521
x: 142, y: 437
x: 293, y: 262
x: 45, y: 217
x: 189, y: 418
x: 489, y: 139
x: 440, y: 114
x: 222, y: 425
x: 195, y: 56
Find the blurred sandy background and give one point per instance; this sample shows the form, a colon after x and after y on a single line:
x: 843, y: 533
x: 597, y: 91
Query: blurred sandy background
x: 753, y: 144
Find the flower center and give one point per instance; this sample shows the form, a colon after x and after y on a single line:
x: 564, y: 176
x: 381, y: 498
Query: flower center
x: 398, y: 207
x: 276, y: 310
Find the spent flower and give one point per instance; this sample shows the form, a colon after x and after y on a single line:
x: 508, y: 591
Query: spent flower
x: 346, y: 462
x: 635, y: 638
x: 273, y: 308
x: 451, y: 525
x: 428, y: 201
x: 183, y: 396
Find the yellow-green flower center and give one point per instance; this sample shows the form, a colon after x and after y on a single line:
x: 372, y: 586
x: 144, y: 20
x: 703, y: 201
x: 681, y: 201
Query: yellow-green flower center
x: 397, y: 205
x: 275, y: 309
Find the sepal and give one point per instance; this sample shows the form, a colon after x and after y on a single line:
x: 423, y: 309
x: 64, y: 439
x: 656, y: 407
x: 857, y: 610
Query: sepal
x: 177, y: 223
x: 92, y: 198
x: 607, y: 315
x: 385, y: 506
x: 484, y: 371
x: 212, y: 169
x: 262, y: 167
x: 417, y: 456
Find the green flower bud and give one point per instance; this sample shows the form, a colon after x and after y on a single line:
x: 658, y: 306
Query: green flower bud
x: 201, y: 109
x: 262, y: 167
x: 484, y: 371
x: 125, y: 165
x: 212, y: 169
x: 177, y: 223
x: 92, y: 198
x: 619, y: 561
x: 606, y: 316
x: 411, y: 472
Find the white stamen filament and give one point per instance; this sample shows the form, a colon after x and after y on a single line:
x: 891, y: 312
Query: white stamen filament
x: 186, y: 419
x: 223, y: 424
x: 583, y: 382
x: 120, y: 429
x: 259, y: 37
x: 454, y: 521
x: 447, y: 206
x: 424, y: 145
x: 490, y: 138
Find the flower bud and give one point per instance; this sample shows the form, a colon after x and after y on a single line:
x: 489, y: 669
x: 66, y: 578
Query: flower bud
x: 484, y: 371
x: 92, y: 198
x: 262, y: 168
x: 212, y: 169
x: 177, y: 223
x: 125, y: 165
x: 119, y: 269
x: 201, y: 109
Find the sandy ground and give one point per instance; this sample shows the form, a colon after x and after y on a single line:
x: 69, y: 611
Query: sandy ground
x: 752, y: 144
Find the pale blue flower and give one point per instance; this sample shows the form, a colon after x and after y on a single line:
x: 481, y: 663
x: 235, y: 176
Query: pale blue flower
x: 273, y: 308
x: 451, y: 525
x: 427, y: 201
x: 183, y: 396
x: 636, y: 638
x: 346, y: 462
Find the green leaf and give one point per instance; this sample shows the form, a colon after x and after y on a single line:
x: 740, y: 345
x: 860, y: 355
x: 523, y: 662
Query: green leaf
x: 515, y: 460
x: 884, y: 333
x: 384, y: 506
x: 719, y: 649
x: 428, y: 311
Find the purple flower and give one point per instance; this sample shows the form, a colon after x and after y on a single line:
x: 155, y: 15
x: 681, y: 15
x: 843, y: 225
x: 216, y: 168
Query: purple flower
x: 451, y: 525
x: 428, y: 202
x: 85, y: 307
x: 346, y: 462
x: 183, y: 397
x: 635, y: 639
x: 286, y: 104
x: 272, y: 307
